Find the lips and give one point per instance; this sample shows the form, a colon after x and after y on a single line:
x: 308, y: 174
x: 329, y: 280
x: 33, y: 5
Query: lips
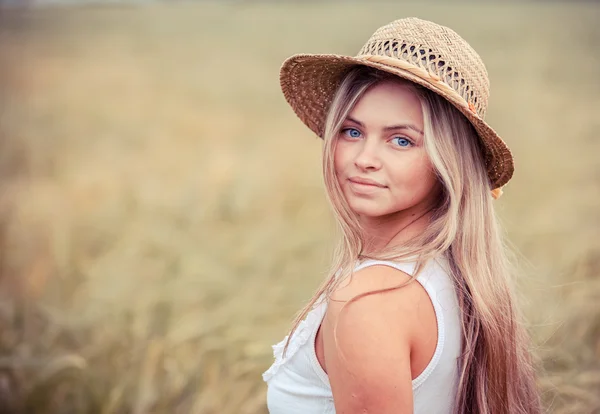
x: 365, y: 181
x: 364, y: 187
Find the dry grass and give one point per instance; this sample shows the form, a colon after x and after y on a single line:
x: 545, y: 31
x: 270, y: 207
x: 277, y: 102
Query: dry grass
x: 162, y: 210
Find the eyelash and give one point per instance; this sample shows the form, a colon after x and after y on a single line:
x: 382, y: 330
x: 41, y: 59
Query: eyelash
x: 343, y: 131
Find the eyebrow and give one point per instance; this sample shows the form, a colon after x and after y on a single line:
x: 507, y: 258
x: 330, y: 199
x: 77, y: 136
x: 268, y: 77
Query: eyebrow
x: 388, y: 128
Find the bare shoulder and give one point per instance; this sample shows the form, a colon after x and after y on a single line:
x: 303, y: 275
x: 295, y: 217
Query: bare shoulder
x: 371, y: 278
x: 370, y: 368
x: 393, y: 303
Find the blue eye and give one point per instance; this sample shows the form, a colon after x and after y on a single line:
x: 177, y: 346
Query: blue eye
x: 402, y: 142
x: 351, y: 132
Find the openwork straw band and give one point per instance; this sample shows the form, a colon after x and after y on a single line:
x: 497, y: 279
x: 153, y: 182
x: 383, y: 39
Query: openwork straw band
x: 423, y: 52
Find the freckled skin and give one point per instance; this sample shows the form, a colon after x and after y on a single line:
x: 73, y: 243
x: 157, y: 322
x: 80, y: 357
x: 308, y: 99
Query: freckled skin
x: 396, y: 159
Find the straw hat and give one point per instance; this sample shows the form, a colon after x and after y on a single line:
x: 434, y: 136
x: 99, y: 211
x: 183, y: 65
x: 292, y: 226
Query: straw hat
x: 423, y: 52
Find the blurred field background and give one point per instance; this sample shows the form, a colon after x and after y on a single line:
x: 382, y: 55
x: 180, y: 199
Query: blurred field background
x: 162, y: 215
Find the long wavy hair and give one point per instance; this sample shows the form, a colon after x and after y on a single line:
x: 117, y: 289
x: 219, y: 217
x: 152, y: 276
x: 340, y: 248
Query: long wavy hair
x: 496, y: 369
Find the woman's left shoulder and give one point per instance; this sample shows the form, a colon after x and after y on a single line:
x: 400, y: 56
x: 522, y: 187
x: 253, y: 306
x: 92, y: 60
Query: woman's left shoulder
x: 376, y: 334
x: 389, y: 305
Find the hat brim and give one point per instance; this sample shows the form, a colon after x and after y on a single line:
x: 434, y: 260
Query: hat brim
x: 310, y: 81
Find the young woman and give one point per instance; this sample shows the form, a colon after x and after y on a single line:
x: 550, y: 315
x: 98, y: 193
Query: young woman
x: 417, y: 314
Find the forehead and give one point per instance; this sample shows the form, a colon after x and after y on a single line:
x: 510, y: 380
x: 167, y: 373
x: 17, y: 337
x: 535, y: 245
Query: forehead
x: 388, y: 103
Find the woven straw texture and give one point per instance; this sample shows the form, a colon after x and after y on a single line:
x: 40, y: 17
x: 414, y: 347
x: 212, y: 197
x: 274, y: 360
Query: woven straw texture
x: 423, y: 52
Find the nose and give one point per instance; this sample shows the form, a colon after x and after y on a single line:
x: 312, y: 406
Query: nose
x: 367, y: 159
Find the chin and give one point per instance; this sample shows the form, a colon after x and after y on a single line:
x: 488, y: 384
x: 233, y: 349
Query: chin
x: 367, y: 208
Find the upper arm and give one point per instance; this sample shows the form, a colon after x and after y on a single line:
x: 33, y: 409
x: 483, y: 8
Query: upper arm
x: 370, y: 370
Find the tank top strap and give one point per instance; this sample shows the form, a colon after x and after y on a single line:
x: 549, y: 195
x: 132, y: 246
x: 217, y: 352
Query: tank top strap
x: 408, y: 267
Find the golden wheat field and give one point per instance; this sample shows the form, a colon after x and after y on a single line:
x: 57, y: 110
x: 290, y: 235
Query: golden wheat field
x: 162, y: 215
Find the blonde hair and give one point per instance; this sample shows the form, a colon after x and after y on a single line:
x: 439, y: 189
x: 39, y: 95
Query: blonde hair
x: 496, y: 369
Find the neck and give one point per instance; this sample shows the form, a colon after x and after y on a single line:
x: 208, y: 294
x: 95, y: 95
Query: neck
x: 395, y: 229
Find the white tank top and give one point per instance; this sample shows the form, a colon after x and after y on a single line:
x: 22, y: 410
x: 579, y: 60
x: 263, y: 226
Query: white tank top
x: 297, y: 384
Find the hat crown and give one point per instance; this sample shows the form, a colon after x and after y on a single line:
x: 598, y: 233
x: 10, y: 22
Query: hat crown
x: 438, y: 50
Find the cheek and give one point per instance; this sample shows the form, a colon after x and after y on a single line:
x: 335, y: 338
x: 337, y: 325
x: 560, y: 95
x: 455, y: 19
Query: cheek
x: 415, y: 175
x: 340, y: 156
